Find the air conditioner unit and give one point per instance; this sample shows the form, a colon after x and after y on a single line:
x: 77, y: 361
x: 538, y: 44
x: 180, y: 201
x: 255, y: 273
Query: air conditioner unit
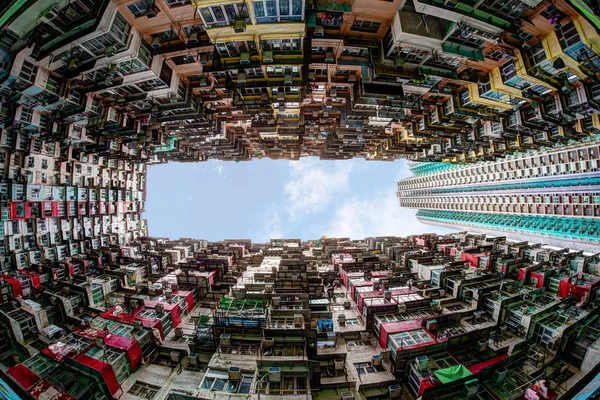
x: 482, y: 345
x: 109, y: 79
x: 329, y: 57
x: 268, y: 343
x: 239, y: 25
x: 168, y: 291
x: 235, y: 373
x: 280, y: 95
x: 178, y: 333
x: 500, y: 374
x: 225, y: 340
x: 394, y: 391
x: 267, y: 56
x: 99, y: 342
x: 450, y: 3
x: 287, y: 79
x: 156, y: 42
x: 347, y: 396
x: 399, y: 62
x: 364, y: 337
x: 202, y: 81
x: 471, y: 388
x: 109, y: 51
x: 333, y: 92
x: 329, y: 103
x: 298, y: 319
x: 203, y: 58
x: 73, y: 64
x: 159, y: 308
x: 339, y: 364
x: 193, y: 38
x: 49, y: 15
x: 385, y: 355
x: 264, y: 97
x: 193, y: 359
x: 319, y: 30
x: 352, y: 77
x: 421, y: 362
x: 347, y: 304
x: 133, y: 303
x: 245, y: 58
x: 175, y: 356
x: 342, y: 319
x: 376, y: 360
x: 311, y: 76
x: 274, y: 374
x: 241, y: 77
x: 137, y: 324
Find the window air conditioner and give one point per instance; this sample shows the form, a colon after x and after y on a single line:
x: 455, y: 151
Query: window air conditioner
x: 241, y: 77
x: 239, y: 25
x: 72, y: 64
x: 203, y: 58
x: 287, y: 80
x: 49, y: 15
x: 268, y: 56
x: 329, y: 57
x: 352, y: 77
x: 235, y: 373
x: 319, y: 30
x: 394, y: 391
x: 193, y: 38
x: 156, y: 42
x: 245, y: 58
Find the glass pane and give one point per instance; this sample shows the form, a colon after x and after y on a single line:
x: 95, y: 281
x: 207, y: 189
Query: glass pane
x: 219, y: 384
x: 259, y: 9
x: 207, y: 15
x: 271, y: 8
x: 297, y: 7
x: 219, y: 15
x: 284, y: 7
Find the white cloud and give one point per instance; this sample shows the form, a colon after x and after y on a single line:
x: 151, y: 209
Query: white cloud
x: 189, y: 200
x: 314, y: 185
x: 219, y: 169
x: 376, y: 215
x: 272, y: 227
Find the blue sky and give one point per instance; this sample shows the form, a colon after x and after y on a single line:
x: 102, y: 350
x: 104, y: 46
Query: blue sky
x: 265, y: 199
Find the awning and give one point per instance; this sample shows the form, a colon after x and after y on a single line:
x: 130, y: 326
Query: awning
x: 452, y: 374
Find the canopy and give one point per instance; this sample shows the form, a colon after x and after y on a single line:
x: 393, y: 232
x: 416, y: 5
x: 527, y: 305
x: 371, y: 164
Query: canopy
x: 452, y: 374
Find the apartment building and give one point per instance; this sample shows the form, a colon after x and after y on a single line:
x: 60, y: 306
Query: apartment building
x: 188, y: 81
x: 550, y: 194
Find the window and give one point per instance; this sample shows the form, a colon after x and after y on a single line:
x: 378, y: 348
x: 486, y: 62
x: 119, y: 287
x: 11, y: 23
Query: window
x: 138, y: 9
x: 365, y: 26
x: 220, y: 382
x: 116, y: 37
x: 234, y: 49
x: 278, y: 10
x: 28, y: 71
x: 224, y: 15
x: 352, y: 322
x: 289, y: 46
x: 144, y: 390
x: 152, y: 84
x: 177, y: 3
x: 26, y: 115
x: 365, y: 368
